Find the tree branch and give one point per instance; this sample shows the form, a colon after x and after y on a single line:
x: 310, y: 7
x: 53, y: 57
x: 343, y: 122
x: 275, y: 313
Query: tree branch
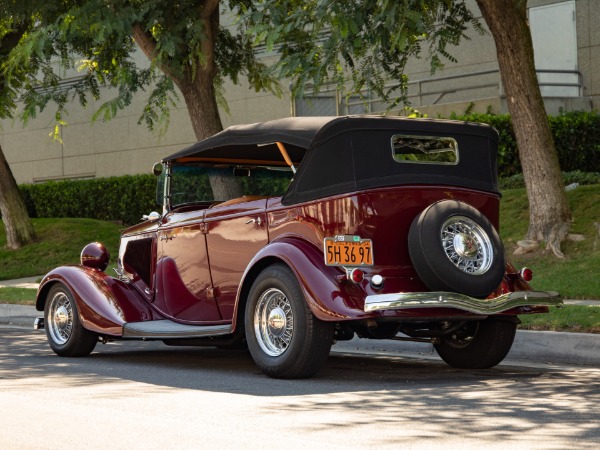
x: 146, y: 42
x: 12, y: 38
x: 208, y: 8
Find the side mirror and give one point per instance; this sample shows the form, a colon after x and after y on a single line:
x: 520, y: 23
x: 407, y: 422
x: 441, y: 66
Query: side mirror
x: 157, y: 169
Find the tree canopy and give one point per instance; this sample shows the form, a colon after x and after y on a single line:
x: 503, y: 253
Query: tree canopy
x: 365, y: 46
x: 94, y: 41
x: 185, y: 44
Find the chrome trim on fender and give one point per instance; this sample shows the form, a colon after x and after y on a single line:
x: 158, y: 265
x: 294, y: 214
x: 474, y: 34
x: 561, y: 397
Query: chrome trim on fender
x: 413, y: 300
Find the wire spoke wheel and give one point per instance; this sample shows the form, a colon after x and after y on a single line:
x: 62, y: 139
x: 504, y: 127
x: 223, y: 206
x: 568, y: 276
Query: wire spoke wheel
x: 274, y: 322
x: 467, y: 245
x: 285, y: 339
x: 66, y: 335
x: 60, y: 324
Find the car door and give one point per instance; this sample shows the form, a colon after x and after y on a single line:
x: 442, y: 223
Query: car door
x: 236, y: 231
x: 183, y: 282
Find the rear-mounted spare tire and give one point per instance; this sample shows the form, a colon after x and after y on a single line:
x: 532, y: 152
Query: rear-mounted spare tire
x: 455, y: 248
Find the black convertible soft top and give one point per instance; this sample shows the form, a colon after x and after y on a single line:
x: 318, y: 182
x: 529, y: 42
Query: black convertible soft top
x: 349, y: 153
x: 256, y: 142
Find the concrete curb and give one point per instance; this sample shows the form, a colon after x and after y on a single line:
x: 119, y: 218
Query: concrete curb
x: 21, y: 315
x: 582, y: 349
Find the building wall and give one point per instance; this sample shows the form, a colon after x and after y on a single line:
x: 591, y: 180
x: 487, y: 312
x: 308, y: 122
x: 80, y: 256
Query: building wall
x: 479, y: 54
x: 122, y: 146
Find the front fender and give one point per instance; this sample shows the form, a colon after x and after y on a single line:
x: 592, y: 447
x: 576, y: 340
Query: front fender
x: 104, y: 303
x: 329, y: 295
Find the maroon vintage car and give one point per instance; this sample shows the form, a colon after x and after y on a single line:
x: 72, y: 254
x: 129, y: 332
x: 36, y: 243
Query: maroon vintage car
x: 384, y: 228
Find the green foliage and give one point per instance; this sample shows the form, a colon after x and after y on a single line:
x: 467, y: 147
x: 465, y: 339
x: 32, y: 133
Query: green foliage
x: 576, y: 136
x: 368, y: 42
x: 508, y: 157
x: 184, y: 41
x: 267, y: 182
x: 11, y: 32
x: 126, y: 199
x: 123, y: 199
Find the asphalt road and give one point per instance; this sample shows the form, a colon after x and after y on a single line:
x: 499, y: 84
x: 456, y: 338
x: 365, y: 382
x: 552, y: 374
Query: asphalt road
x: 146, y: 395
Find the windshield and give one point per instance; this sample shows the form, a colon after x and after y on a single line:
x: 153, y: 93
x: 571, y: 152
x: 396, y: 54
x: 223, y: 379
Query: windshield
x: 190, y: 183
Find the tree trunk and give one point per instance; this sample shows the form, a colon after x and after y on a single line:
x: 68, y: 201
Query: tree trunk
x: 549, y: 213
x: 200, y: 98
x: 19, y: 230
x: 197, y: 88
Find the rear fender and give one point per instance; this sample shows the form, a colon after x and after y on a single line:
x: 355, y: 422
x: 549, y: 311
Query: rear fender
x: 104, y: 303
x: 328, y: 295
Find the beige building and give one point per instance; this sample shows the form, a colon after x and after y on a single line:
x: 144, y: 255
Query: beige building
x: 566, y: 40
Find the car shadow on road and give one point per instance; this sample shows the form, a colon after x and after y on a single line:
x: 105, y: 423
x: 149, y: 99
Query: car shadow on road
x: 496, y: 404
x: 209, y: 368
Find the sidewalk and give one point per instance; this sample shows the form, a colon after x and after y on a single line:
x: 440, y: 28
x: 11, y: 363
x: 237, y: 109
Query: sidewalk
x: 28, y: 283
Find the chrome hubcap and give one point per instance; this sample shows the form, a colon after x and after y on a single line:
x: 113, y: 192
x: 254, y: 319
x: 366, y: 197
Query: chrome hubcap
x: 273, y: 322
x: 467, y: 245
x: 60, y: 318
x: 277, y: 322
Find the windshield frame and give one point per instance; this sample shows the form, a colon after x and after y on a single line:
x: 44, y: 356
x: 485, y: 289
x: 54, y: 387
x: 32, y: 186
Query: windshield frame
x: 170, y: 169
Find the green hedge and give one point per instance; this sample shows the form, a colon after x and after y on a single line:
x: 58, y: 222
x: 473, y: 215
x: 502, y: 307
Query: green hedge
x: 127, y: 198
x: 123, y: 199
x: 576, y: 136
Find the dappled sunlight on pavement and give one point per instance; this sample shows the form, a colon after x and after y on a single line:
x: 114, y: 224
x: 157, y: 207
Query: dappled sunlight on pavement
x: 356, y: 401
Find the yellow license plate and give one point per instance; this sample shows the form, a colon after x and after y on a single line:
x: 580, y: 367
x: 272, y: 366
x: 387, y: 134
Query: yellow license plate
x: 348, y: 250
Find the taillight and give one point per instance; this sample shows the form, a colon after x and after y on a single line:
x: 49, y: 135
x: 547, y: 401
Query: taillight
x: 526, y: 274
x: 357, y: 275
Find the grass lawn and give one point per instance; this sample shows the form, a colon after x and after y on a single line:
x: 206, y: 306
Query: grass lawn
x: 17, y: 296
x: 573, y: 318
x: 60, y: 242
x: 576, y: 276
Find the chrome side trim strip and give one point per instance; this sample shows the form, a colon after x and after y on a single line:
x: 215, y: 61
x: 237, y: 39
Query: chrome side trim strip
x: 413, y: 300
x: 166, y: 329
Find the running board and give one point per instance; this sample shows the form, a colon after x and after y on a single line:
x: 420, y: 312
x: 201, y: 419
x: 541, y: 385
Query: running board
x: 166, y: 329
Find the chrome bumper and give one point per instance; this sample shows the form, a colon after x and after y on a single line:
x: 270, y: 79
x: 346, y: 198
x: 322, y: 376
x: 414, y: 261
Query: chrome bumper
x: 424, y: 300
